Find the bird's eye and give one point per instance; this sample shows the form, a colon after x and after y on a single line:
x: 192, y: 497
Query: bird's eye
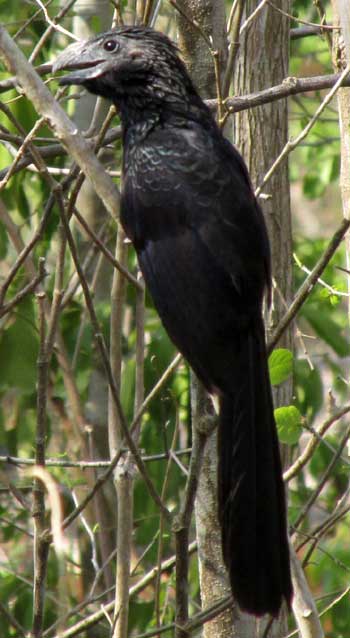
x: 110, y: 45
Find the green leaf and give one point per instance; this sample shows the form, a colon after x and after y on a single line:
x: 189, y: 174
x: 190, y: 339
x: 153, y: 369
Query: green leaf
x: 288, y: 421
x: 280, y: 365
x: 313, y: 186
x: 334, y: 300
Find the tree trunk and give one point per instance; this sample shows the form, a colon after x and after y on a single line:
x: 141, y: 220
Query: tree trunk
x: 260, y: 135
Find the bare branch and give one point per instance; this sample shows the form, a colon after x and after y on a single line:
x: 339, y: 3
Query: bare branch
x: 114, y: 390
x: 289, y: 86
x: 304, y: 607
x: 94, y: 618
x: 316, y: 492
x: 83, y: 465
x: 313, y: 443
x: 27, y: 290
x: 292, y: 144
x: 234, y: 46
x: 41, y: 546
x: 124, y: 471
x: 13, y: 621
x: 114, y: 261
x: 64, y: 129
x: 309, y: 283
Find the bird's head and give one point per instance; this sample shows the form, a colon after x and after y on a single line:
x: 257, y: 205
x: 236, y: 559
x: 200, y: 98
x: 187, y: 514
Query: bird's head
x: 127, y: 63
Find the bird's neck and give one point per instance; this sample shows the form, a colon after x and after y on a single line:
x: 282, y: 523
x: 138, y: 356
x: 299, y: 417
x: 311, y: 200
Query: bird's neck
x: 140, y: 116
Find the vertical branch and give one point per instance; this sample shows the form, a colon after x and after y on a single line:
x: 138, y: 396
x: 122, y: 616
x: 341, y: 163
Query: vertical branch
x: 212, y: 574
x: 125, y: 476
x: 115, y: 349
x: 234, y: 46
x: 124, y: 484
x: 304, y: 606
x: 161, y: 529
x: 202, y: 426
x: 147, y: 11
x: 58, y: 291
x: 122, y: 479
x: 41, y: 548
x: 140, y: 351
x: 41, y: 544
x: 181, y: 592
x: 125, y: 471
x: 341, y: 58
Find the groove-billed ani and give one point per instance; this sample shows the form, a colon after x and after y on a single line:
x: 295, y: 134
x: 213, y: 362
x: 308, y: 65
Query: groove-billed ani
x: 189, y: 209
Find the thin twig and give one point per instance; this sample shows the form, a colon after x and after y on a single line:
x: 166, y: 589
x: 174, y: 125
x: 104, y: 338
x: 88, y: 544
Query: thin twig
x: 161, y: 526
x: 13, y: 621
x: 305, y: 32
x: 65, y: 130
x: 140, y: 350
x: 124, y: 471
x: 309, y: 283
x: 312, y: 444
x: 22, y: 149
x: 26, y: 290
x: 104, y: 356
x: 325, y: 32
x: 317, y: 491
x: 252, y: 16
x: 54, y: 25
x: 107, y: 252
x: 148, y: 578
x: 293, y: 143
x: 99, y: 464
x: 165, y: 376
x: 234, y: 46
x: 114, y: 461
x: 304, y: 606
x: 41, y: 546
x: 328, y: 27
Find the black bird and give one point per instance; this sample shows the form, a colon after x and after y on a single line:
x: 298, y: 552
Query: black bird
x: 201, y: 241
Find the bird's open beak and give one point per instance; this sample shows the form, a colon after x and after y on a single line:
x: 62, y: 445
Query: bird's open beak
x: 80, y: 58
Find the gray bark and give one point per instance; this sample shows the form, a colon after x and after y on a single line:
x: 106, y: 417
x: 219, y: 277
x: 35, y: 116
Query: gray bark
x: 260, y: 134
x: 341, y: 57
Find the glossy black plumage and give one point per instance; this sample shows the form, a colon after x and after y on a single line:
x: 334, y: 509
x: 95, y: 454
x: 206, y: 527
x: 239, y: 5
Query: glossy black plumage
x: 201, y: 241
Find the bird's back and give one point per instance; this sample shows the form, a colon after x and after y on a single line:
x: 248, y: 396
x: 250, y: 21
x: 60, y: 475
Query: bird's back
x: 188, y: 207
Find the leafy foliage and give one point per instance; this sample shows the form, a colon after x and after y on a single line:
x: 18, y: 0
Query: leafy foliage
x: 288, y: 421
x: 280, y: 365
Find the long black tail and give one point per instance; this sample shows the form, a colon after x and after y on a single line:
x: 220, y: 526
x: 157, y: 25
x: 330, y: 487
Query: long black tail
x: 252, y: 509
